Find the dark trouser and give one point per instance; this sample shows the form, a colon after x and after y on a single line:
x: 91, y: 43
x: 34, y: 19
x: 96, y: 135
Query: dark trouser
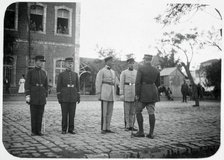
x: 68, y: 113
x: 184, y: 97
x: 36, y: 112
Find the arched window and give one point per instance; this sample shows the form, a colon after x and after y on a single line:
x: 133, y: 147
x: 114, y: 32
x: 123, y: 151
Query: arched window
x: 9, y: 69
x: 37, y: 17
x: 63, y: 19
x: 11, y: 17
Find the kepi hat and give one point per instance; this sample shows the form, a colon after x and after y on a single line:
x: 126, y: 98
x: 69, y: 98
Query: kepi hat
x: 130, y: 60
x: 69, y: 59
x: 40, y: 57
x: 147, y: 57
x: 108, y: 58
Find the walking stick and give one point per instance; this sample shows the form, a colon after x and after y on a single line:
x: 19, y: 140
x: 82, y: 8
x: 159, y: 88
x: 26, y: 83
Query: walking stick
x: 44, y: 123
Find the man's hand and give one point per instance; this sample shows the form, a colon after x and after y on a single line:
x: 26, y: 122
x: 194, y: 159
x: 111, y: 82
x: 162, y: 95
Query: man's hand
x: 136, y: 98
x: 28, y: 99
x: 78, y: 98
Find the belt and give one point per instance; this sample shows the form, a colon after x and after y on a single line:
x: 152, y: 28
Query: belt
x: 110, y: 83
x: 147, y: 83
x: 38, y: 85
x: 126, y: 83
x: 70, y: 85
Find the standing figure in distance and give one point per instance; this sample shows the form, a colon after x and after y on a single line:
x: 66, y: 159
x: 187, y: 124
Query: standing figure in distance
x: 105, y: 89
x: 22, y: 84
x: 68, y: 95
x: 184, y: 91
x: 127, y: 94
x: 36, y: 87
x: 146, y: 89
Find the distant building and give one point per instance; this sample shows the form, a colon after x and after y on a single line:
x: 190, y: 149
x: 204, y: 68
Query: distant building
x: 49, y: 29
x: 172, y: 78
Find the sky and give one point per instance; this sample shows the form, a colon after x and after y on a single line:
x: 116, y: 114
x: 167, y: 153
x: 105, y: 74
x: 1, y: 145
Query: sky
x: 129, y: 27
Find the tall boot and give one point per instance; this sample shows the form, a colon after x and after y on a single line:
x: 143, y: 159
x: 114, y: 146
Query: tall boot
x: 140, y: 133
x: 152, y: 121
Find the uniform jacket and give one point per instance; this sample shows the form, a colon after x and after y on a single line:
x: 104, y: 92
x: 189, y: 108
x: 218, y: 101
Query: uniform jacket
x: 68, y: 87
x: 184, y: 88
x: 105, y: 84
x: 36, y: 85
x: 128, y: 90
x: 147, y: 81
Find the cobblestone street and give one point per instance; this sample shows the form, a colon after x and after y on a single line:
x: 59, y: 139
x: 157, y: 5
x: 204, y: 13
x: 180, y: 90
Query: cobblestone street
x: 179, y: 128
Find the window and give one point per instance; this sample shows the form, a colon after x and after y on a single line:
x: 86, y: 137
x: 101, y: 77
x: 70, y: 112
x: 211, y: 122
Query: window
x: 11, y: 17
x: 63, y: 21
x: 9, y: 69
x: 59, y: 66
x: 37, y: 17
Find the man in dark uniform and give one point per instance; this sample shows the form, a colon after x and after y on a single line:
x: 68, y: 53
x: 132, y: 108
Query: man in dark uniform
x: 184, y: 91
x: 146, y: 89
x: 36, y: 87
x: 68, y: 95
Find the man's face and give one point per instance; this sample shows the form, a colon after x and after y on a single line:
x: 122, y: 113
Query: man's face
x: 147, y: 61
x: 110, y: 63
x: 69, y: 65
x: 39, y: 63
x: 131, y: 65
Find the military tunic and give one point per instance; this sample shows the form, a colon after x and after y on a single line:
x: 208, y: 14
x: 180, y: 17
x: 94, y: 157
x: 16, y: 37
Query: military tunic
x: 105, y: 89
x: 127, y: 89
x: 36, y: 85
x: 147, y: 81
x: 68, y: 95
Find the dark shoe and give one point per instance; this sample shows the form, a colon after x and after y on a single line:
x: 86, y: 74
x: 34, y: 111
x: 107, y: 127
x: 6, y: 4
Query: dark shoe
x: 40, y: 134
x: 132, y: 129
x: 139, y: 134
x: 33, y: 134
x: 103, y: 132
x: 109, y: 131
x: 71, y: 132
x: 126, y: 129
x: 150, y: 136
x: 63, y: 132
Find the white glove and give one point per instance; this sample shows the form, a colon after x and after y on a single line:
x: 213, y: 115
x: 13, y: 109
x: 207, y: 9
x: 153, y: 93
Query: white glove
x: 28, y: 98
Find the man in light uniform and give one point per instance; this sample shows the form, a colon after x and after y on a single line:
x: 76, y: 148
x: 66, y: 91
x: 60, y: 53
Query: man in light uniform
x: 105, y: 89
x: 127, y: 94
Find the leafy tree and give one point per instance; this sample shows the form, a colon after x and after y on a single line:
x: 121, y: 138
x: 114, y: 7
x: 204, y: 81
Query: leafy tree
x: 184, y: 44
x: 213, y: 76
x: 168, y: 60
x: 175, y: 12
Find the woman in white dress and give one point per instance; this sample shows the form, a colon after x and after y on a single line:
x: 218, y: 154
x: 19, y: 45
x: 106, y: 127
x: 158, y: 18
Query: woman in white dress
x: 21, y: 84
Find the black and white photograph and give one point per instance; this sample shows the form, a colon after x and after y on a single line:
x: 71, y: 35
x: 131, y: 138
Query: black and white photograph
x: 111, y: 79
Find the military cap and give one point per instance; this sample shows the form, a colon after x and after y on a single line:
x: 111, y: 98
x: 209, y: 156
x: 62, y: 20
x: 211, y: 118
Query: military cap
x: 69, y: 59
x: 130, y: 60
x: 108, y: 58
x: 40, y: 57
x: 147, y: 57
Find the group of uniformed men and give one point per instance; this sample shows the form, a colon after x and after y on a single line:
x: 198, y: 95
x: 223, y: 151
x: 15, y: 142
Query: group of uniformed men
x: 138, y: 89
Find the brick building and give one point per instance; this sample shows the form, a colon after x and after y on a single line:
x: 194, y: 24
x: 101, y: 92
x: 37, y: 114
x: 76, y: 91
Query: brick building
x: 49, y: 29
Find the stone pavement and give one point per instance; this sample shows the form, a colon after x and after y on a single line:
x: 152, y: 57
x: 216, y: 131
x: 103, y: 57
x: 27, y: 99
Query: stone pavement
x: 181, y: 131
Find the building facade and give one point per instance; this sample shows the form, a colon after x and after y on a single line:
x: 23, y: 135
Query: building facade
x: 173, y: 78
x: 49, y: 29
